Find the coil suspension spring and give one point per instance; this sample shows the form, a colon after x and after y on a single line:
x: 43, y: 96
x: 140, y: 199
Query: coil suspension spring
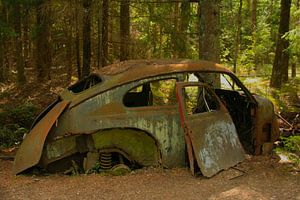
x: 106, y: 161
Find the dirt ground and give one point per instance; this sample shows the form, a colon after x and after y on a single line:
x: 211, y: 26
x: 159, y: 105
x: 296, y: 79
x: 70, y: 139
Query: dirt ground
x: 256, y: 178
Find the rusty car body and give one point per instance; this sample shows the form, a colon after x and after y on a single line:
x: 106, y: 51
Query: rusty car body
x: 169, y: 113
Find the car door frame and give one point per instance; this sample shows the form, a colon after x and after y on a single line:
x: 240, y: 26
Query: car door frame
x: 197, y: 146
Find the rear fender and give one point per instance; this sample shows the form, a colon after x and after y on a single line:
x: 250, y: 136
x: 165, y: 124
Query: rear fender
x: 30, y: 151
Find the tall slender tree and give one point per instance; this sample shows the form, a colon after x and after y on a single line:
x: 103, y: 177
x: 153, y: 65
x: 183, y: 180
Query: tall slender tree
x: 281, y: 60
x: 184, y: 25
x: 86, y: 34
x: 2, y: 20
x: 99, y: 34
x: 210, y: 34
x: 254, y: 30
x: 209, y: 30
x: 21, y: 79
x: 43, y: 37
x: 238, y: 36
x: 124, y: 29
x: 105, y: 15
x: 77, y: 40
x: 26, y: 32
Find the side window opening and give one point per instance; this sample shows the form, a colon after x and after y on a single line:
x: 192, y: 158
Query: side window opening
x: 199, y: 100
x: 138, y: 97
x: 155, y: 93
x: 86, y: 83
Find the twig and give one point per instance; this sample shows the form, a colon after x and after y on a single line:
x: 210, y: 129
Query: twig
x: 240, y: 170
x: 284, y: 120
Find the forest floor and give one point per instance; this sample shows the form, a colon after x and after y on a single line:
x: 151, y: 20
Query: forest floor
x: 258, y: 177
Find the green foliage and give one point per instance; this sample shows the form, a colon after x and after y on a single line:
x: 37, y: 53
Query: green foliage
x: 22, y: 115
x: 11, y: 135
x: 283, y: 98
x: 96, y: 168
x: 294, y: 34
x: 290, y: 148
x: 6, y: 31
x: 15, y: 122
x: 291, y: 144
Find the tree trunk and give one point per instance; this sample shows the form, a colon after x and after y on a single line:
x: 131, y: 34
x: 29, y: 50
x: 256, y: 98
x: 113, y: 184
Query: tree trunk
x: 210, y: 35
x: 77, y: 41
x: 295, y: 58
x: 8, y: 19
x: 294, y: 69
x: 238, y: 35
x: 2, y: 68
x: 69, y: 44
x: 254, y: 29
x: 86, y: 34
x: 175, y: 33
x: 18, y: 45
x: 26, y: 41
x: 105, y: 10
x: 209, y: 30
x: 1, y: 62
x: 99, y: 35
x: 184, y: 25
x: 124, y: 29
x: 43, y: 47
x: 281, y: 60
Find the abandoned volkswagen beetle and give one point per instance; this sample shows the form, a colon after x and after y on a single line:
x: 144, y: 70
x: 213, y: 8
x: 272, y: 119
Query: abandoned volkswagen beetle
x: 170, y: 113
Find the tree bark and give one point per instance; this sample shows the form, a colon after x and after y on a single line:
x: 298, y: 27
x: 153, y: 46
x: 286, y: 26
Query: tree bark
x: 296, y: 58
x: 124, y: 29
x: 254, y: 30
x: 105, y: 11
x: 209, y: 30
x: 175, y: 33
x: 99, y: 35
x: 238, y: 36
x: 294, y: 69
x: 21, y: 79
x: 86, y: 34
x: 2, y: 68
x: 184, y: 25
x: 69, y: 44
x: 1, y: 62
x: 281, y: 60
x: 43, y: 47
x: 26, y: 41
x: 210, y: 35
x: 77, y: 41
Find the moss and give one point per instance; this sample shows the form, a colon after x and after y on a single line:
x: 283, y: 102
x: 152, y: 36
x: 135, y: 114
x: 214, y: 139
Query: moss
x: 138, y: 145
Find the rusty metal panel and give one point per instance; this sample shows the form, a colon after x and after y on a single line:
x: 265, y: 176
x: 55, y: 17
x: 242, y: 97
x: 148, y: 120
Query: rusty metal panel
x: 213, y: 136
x: 133, y: 70
x: 106, y: 111
x: 31, y: 149
x: 265, y: 115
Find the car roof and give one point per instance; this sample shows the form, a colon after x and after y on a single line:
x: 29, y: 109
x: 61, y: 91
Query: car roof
x: 149, y: 67
x: 132, y: 70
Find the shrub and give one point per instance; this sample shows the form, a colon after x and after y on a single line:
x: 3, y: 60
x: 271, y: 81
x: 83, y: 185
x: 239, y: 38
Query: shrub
x: 15, y: 122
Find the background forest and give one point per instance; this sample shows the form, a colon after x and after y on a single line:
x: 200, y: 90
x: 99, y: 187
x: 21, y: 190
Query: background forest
x: 75, y: 36
x: 47, y: 44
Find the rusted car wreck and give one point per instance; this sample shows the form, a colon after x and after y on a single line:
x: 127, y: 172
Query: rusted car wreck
x: 170, y: 113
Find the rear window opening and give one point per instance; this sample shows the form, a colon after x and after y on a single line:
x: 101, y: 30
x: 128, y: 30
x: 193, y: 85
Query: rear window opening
x: 156, y: 93
x: 86, y: 83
